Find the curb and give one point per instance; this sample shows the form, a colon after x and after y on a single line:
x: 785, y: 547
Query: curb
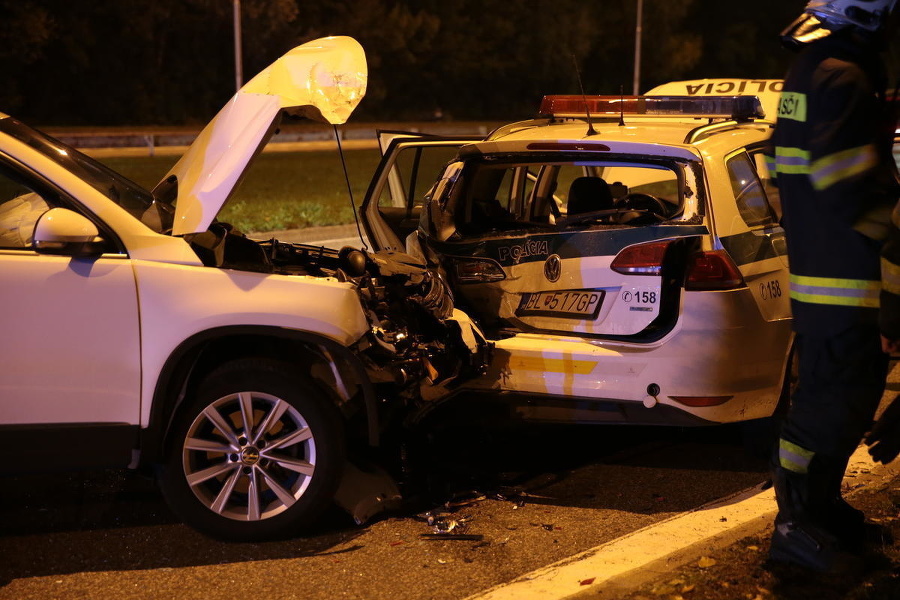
x: 621, y: 565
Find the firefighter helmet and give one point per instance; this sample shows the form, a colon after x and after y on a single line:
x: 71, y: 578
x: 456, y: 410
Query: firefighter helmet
x: 870, y: 15
x: 822, y: 17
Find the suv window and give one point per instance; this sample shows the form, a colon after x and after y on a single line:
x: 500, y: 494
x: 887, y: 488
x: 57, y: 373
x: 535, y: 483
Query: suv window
x: 130, y: 196
x: 20, y: 207
x: 749, y: 193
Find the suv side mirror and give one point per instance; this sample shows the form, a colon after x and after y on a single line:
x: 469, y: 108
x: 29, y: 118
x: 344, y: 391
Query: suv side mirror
x: 63, y: 231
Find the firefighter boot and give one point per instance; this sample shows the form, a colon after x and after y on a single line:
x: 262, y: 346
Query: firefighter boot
x: 800, y: 537
x: 848, y: 523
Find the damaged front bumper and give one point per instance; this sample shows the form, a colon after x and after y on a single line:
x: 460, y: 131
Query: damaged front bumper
x: 417, y: 350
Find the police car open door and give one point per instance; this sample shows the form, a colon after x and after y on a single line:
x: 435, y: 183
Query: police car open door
x: 410, y: 164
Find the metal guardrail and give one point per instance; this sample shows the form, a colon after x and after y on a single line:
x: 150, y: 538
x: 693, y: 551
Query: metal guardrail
x: 152, y: 139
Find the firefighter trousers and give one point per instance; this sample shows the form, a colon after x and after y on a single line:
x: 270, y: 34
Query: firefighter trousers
x: 841, y: 382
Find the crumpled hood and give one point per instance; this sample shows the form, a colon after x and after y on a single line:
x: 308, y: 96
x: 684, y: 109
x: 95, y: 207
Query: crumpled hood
x: 323, y: 80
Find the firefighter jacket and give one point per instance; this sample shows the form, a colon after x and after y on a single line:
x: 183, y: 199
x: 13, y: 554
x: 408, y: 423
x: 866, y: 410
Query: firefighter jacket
x: 835, y: 175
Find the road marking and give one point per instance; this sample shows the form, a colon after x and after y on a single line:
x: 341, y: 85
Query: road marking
x: 753, y: 508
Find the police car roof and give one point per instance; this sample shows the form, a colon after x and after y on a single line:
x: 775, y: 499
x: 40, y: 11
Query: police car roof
x: 686, y: 139
x: 670, y: 116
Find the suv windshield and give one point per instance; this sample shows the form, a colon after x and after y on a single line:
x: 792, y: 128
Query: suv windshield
x: 503, y: 194
x: 124, y: 192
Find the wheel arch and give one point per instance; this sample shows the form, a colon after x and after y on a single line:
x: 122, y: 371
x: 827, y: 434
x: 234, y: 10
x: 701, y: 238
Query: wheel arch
x: 198, y: 355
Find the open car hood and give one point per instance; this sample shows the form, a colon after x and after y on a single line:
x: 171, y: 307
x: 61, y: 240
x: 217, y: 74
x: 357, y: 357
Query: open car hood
x: 323, y: 80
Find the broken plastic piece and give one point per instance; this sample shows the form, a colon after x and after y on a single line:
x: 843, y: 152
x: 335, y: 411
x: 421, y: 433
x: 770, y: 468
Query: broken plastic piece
x: 363, y: 494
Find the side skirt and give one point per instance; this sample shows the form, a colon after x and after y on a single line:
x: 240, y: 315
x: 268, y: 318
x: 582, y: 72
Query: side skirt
x: 56, y: 447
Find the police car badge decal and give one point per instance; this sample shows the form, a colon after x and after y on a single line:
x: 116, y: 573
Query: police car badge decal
x: 552, y: 268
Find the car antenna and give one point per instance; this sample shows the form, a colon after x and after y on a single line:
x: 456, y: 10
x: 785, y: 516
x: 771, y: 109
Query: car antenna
x: 337, y: 136
x: 591, y: 131
x: 621, y: 106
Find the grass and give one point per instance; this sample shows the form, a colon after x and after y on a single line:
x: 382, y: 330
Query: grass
x: 282, y: 190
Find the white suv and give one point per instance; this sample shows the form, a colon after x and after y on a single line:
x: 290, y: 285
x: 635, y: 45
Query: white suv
x: 138, y: 330
x: 623, y: 253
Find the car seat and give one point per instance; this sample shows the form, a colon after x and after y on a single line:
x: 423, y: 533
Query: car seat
x: 588, y: 194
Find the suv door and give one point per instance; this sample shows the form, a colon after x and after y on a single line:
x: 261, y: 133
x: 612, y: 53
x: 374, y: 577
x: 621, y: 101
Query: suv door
x: 70, y: 344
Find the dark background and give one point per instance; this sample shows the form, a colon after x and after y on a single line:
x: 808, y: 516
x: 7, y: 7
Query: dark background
x: 171, y: 62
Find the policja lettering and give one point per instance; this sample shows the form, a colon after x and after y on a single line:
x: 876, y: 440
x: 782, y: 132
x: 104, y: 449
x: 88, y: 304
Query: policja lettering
x: 526, y: 249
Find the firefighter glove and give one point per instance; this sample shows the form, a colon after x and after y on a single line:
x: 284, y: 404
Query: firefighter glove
x: 884, y: 439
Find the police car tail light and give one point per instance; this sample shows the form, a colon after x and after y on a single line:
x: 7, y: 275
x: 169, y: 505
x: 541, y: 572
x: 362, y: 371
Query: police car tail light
x: 740, y: 108
x: 712, y: 270
x: 476, y: 270
x: 700, y: 401
x: 641, y: 259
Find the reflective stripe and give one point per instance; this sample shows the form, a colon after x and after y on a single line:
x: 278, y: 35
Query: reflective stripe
x: 793, y: 457
x: 890, y: 276
x: 552, y: 365
x: 838, y: 292
x: 828, y: 170
x: 771, y: 165
x: 791, y: 161
x: 836, y: 167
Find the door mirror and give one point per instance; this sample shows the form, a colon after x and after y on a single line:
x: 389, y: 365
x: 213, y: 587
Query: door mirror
x: 62, y: 231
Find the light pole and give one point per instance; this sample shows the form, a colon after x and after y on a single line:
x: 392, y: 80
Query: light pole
x: 636, y: 88
x: 238, y: 60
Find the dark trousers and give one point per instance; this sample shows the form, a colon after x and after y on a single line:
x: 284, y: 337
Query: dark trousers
x: 841, y: 381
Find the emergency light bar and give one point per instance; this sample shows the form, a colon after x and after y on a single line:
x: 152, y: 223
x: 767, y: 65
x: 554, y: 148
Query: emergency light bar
x: 739, y: 108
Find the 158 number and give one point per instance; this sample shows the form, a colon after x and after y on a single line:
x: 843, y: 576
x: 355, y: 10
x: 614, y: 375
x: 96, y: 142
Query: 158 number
x: 770, y: 290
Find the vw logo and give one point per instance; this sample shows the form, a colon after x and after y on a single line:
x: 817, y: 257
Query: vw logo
x: 552, y: 268
x: 249, y: 455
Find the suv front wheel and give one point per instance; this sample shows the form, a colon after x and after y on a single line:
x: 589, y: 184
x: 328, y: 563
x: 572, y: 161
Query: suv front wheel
x: 257, y: 454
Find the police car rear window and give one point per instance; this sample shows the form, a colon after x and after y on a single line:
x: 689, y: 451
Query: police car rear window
x: 514, y: 194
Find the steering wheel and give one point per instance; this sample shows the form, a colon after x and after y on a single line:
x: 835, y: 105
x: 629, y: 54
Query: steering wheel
x: 645, y: 203
x: 588, y: 216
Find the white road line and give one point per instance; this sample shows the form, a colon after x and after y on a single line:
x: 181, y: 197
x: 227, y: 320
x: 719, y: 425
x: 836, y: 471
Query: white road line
x: 592, y: 568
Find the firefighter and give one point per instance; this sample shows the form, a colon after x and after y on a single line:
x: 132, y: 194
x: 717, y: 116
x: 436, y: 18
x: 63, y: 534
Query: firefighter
x: 832, y: 151
x: 884, y: 439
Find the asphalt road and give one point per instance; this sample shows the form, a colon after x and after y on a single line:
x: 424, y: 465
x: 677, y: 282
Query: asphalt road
x: 531, y: 497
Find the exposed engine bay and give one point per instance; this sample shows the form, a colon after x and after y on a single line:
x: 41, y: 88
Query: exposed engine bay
x: 416, y: 339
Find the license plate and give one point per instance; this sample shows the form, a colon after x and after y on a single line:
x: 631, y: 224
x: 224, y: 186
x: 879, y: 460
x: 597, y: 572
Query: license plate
x: 576, y: 304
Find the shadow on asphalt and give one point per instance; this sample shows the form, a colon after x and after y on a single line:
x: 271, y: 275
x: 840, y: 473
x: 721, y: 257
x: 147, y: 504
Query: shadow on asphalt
x: 111, y: 520
x: 611, y: 467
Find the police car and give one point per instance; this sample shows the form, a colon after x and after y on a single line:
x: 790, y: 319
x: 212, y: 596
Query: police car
x: 622, y: 253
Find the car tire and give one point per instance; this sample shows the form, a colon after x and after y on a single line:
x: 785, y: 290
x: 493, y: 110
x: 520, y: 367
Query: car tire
x: 266, y: 484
